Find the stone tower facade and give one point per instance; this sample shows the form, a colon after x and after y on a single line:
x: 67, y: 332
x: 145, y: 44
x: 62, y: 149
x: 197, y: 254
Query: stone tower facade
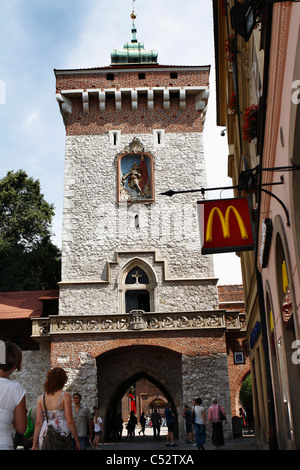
x: 137, y: 298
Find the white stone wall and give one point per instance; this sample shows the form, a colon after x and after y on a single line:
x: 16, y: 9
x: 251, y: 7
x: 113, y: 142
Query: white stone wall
x: 35, y: 365
x: 206, y: 377
x: 96, y: 227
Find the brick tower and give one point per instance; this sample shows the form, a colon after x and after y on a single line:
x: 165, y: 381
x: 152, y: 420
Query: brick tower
x: 137, y: 298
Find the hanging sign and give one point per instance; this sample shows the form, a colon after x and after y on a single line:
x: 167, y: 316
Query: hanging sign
x: 225, y: 225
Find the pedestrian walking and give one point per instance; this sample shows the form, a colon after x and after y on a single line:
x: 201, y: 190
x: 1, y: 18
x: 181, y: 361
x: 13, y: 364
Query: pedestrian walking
x: 118, y: 427
x: 170, y: 419
x: 216, y: 416
x: 199, y: 423
x: 55, y: 424
x: 242, y: 414
x: 132, y: 422
x: 250, y: 418
x: 83, y: 420
x: 156, y: 423
x: 12, y: 397
x: 142, y: 423
x: 188, y: 426
x: 97, y: 421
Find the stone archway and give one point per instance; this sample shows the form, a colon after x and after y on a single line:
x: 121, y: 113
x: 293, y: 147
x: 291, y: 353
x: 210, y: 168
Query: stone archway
x: 118, y: 369
x: 114, y: 406
x: 152, y: 399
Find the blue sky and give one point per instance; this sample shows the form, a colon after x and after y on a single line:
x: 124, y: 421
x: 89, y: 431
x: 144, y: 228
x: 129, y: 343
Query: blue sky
x: 37, y: 36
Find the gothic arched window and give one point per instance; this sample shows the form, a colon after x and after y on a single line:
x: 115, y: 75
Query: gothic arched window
x: 137, y: 296
x: 137, y: 288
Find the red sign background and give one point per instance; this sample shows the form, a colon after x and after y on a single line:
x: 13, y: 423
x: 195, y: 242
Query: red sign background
x: 225, y: 225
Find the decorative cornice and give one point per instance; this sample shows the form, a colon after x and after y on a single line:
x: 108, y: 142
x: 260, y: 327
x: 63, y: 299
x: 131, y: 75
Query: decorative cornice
x: 43, y: 328
x: 201, y: 93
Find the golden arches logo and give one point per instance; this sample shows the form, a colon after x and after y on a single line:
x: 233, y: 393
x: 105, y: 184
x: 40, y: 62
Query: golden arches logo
x: 225, y: 223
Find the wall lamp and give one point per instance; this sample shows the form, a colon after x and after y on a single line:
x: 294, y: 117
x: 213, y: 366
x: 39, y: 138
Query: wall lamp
x: 243, y: 16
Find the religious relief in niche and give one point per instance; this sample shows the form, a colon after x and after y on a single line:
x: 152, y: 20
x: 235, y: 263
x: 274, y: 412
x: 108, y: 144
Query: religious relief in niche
x: 136, y: 178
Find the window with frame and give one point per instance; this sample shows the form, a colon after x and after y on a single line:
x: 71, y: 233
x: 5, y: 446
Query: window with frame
x: 137, y: 295
x: 137, y: 285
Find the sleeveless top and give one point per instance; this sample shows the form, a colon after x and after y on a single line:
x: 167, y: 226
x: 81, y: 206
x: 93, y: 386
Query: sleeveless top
x: 11, y: 394
x: 57, y: 419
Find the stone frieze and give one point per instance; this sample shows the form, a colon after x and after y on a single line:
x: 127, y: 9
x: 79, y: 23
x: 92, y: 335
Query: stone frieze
x: 137, y: 320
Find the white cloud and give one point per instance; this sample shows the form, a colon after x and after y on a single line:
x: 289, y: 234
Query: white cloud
x: 33, y: 116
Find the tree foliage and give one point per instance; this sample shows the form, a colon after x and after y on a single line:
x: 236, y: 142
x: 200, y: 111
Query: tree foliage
x: 245, y: 397
x: 25, y: 216
x: 28, y: 258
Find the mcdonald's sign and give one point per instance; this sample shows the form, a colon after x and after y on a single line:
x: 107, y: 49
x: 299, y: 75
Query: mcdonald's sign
x: 225, y: 225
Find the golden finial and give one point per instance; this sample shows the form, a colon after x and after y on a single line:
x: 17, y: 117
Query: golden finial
x: 133, y: 15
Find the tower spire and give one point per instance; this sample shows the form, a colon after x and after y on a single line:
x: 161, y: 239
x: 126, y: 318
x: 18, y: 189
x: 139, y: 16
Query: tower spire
x: 133, y: 52
x: 133, y: 29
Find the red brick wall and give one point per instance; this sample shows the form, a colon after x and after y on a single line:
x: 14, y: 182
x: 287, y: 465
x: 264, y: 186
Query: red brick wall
x: 130, y: 79
x: 237, y: 373
x: 231, y: 297
x: 128, y: 120
x: 133, y: 121
x: 202, y: 343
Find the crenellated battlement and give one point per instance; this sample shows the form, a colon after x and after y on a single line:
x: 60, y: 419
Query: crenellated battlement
x: 94, y: 95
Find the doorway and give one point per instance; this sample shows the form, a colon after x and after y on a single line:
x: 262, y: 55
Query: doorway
x: 137, y: 394
x: 157, y: 371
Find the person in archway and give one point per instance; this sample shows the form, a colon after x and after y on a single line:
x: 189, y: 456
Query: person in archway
x: 156, y: 423
x: 142, y: 423
x: 118, y: 427
x: 132, y: 422
x: 170, y: 419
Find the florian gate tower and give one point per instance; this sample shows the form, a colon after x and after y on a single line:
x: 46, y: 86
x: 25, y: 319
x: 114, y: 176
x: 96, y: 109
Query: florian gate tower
x: 137, y: 299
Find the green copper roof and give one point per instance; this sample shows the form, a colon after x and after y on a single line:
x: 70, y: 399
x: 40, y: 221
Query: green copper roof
x: 133, y: 52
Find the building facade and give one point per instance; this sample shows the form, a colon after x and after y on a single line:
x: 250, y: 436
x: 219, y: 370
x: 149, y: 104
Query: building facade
x: 257, y: 83
x: 137, y: 299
